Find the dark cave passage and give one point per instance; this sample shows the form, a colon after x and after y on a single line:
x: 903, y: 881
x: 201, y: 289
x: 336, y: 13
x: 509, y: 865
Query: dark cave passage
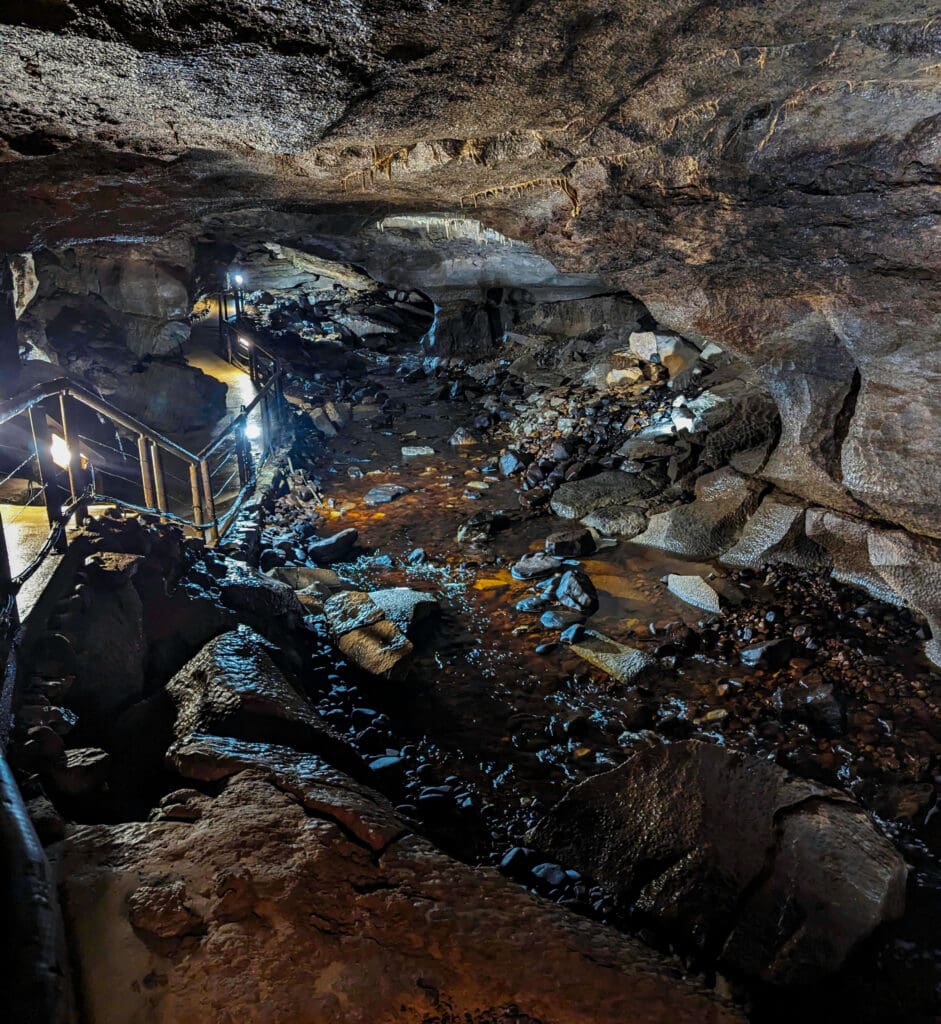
x: 469, y: 498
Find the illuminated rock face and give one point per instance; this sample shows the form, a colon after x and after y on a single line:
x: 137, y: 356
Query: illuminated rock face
x: 762, y: 176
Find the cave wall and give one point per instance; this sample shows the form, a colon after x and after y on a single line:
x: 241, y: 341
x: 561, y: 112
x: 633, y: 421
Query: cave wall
x: 762, y: 175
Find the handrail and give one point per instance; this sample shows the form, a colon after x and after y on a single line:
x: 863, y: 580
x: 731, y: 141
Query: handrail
x: 68, y: 388
x: 204, y: 518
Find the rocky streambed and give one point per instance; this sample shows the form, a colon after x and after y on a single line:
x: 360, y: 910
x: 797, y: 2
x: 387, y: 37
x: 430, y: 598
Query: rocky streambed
x: 468, y: 720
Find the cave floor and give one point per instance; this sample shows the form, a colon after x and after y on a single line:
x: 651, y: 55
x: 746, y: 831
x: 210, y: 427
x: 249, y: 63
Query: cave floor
x: 496, y: 706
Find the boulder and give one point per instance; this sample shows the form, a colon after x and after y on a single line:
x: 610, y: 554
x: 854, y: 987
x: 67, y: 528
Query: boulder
x: 676, y: 354
x: 383, y: 494
x: 332, y: 549
x: 379, y: 648
x: 627, y: 665
x: 694, y: 590
x: 775, y: 533
x: 349, y: 610
x: 168, y: 395
x: 482, y: 527
x: 262, y: 598
x: 576, y: 591
x: 394, y: 929
x: 109, y: 675
x: 572, y: 541
x: 581, y: 497
x: 775, y: 876
x: 644, y: 345
x: 617, y: 522
x: 709, y: 524
x: 535, y: 566
x: 233, y: 689
x: 405, y: 607
x: 81, y: 771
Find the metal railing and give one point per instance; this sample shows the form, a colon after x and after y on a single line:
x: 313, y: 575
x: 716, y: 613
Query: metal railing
x: 125, y: 463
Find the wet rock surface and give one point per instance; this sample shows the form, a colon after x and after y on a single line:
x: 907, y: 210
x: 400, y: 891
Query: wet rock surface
x: 474, y: 721
x: 779, y: 877
x: 398, y: 927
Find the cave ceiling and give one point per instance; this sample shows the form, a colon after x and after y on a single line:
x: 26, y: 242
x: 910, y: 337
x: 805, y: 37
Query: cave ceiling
x: 764, y: 175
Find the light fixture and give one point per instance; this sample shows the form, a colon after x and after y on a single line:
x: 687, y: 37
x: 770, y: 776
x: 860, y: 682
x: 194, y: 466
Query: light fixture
x: 252, y: 431
x: 61, y: 455
x: 245, y: 343
x: 239, y: 280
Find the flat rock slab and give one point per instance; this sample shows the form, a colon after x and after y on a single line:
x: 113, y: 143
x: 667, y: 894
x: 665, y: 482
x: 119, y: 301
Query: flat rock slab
x: 349, y: 610
x: 300, y: 896
x: 405, y: 607
x: 694, y: 590
x: 536, y: 566
x: 383, y: 494
x: 581, y: 497
x: 380, y: 648
x: 625, y: 664
x: 780, y: 876
x: 711, y: 523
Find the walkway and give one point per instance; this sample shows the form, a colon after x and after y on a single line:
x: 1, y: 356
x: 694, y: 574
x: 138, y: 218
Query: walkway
x: 26, y: 528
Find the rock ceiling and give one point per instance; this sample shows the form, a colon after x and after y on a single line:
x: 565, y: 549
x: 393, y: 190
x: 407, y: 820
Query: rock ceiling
x: 760, y: 174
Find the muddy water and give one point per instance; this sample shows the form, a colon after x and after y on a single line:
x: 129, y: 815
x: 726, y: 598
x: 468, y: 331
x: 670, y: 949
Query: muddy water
x: 508, y: 728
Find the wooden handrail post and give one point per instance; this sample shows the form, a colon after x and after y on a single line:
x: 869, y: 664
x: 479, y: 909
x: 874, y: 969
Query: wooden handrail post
x: 266, y: 439
x: 210, y: 502
x: 197, y: 502
x: 143, y: 453
x: 52, y: 492
x: 159, y: 488
x: 77, y: 477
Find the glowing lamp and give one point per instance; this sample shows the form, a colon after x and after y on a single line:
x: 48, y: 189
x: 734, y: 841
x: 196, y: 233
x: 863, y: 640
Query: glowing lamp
x: 61, y: 455
x: 239, y: 280
x: 252, y: 431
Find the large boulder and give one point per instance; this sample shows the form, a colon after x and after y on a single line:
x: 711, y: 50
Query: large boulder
x: 107, y: 633
x: 300, y: 896
x: 233, y: 689
x: 774, y: 875
x: 579, y: 498
x: 169, y: 395
x: 372, y: 633
x: 775, y: 533
x: 709, y: 524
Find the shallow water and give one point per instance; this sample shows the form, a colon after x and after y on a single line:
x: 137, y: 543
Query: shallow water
x: 512, y: 729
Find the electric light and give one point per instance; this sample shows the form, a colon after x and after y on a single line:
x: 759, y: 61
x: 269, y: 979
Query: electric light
x: 61, y: 455
x: 239, y: 280
x: 252, y: 431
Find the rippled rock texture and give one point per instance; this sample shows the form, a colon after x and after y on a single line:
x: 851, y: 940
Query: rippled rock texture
x: 761, y: 175
x: 782, y: 875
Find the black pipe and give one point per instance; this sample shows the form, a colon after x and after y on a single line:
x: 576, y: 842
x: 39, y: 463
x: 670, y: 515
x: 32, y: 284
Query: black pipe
x: 34, y: 985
